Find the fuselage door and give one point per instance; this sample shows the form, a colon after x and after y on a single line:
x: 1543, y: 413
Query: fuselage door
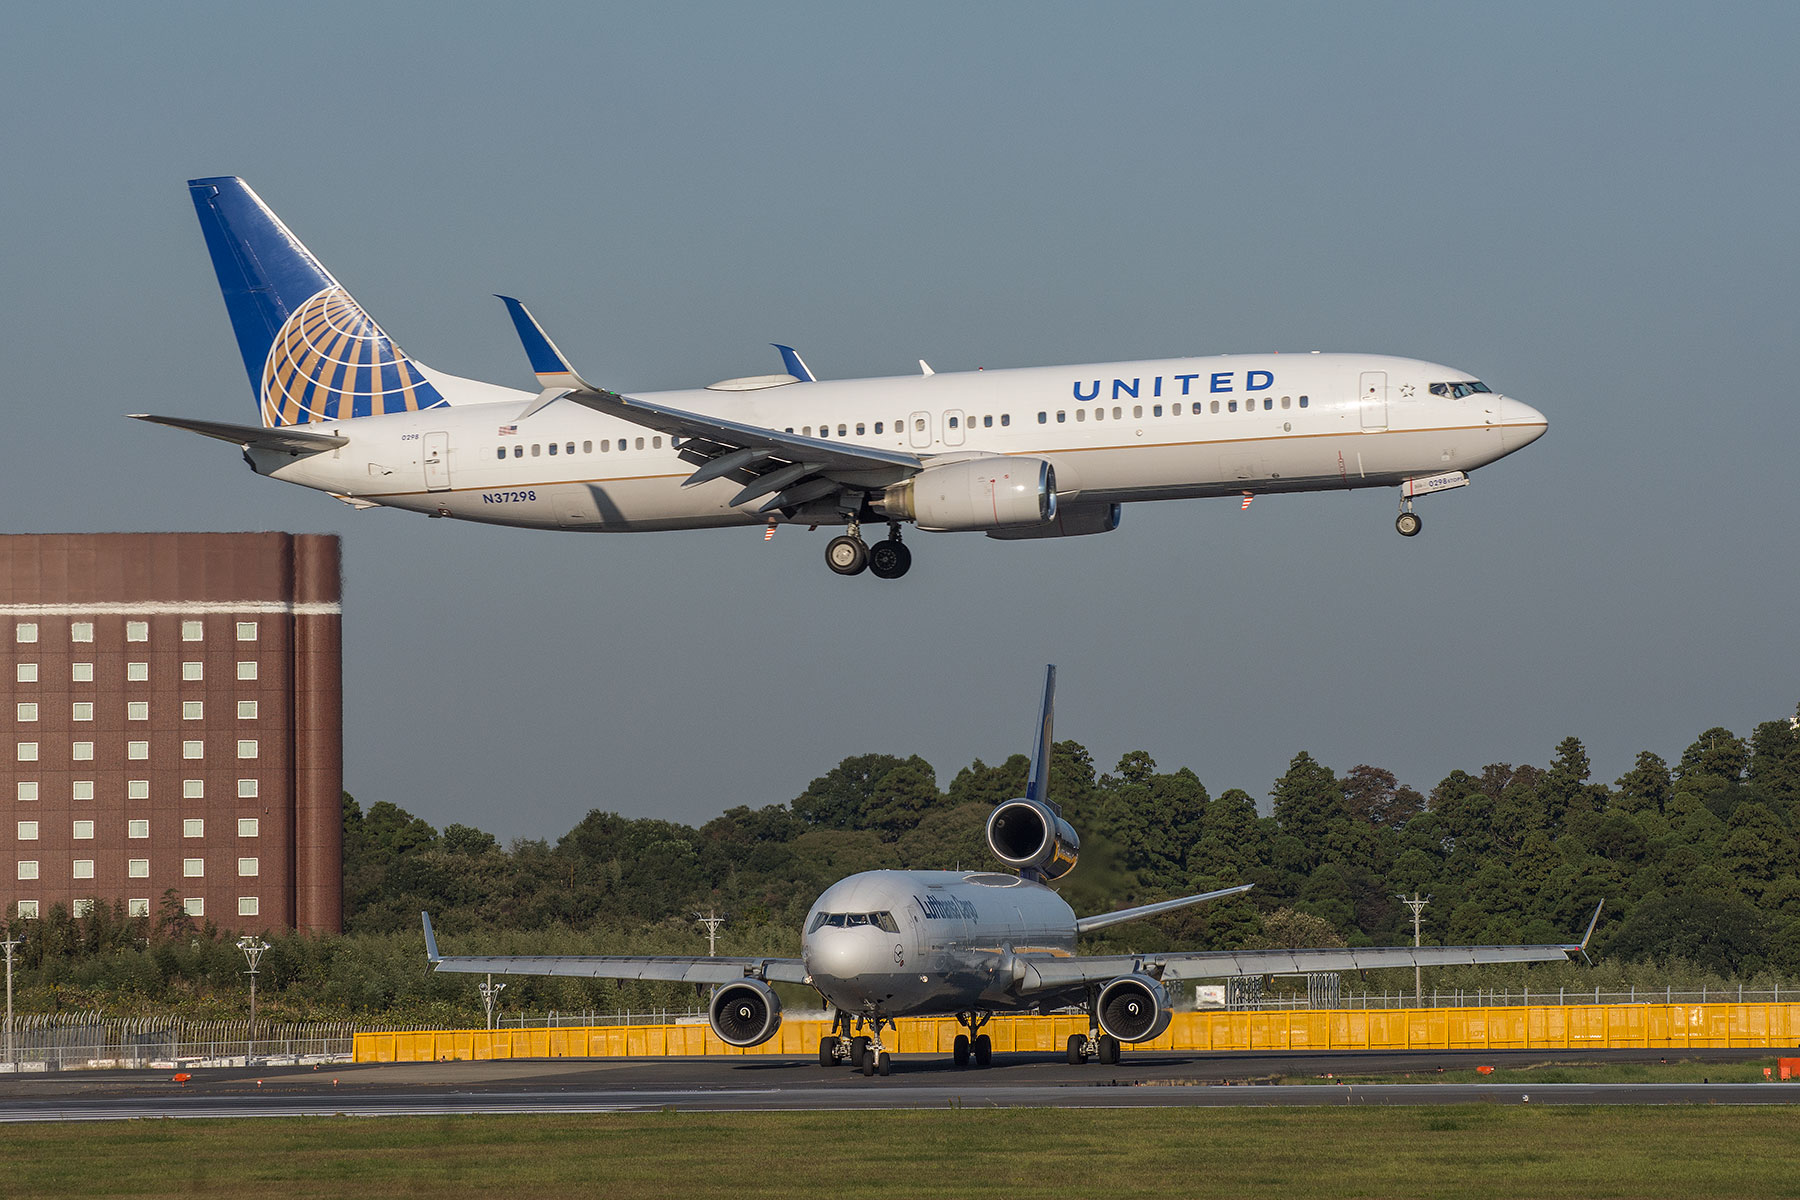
x: 918, y: 430
x: 437, y: 462
x: 1373, y: 399
x: 953, y: 427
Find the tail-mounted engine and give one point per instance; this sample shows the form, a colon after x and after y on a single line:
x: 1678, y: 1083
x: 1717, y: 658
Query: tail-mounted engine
x: 745, y: 1013
x: 1133, y: 1008
x: 1031, y: 838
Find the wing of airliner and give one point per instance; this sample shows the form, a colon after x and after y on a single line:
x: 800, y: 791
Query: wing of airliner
x: 789, y: 468
x: 674, y: 969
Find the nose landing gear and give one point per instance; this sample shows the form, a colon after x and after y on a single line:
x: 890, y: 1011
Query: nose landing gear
x: 1408, y: 522
x: 864, y: 1053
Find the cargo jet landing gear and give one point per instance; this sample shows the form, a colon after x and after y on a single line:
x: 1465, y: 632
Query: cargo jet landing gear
x: 972, y: 1045
x: 865, y: 1054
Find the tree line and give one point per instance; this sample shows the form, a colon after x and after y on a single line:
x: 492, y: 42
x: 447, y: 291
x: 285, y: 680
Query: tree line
x: 1698, y: 862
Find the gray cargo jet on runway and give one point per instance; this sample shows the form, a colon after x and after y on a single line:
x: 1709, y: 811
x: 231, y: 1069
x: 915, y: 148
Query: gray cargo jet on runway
x: 885, y: 944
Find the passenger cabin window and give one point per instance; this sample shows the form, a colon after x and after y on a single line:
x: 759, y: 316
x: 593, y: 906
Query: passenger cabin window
x: 1303, y: 402
x: 1005, y: 419
x: 953, y: 422
x: 877, y: 427
x: 1156, y: 410
x: 518, y: 452
x: 552, y: 447
x: 859, y: 429
x: 587, y: 447
x: 500, y: 452
x: 537, y: 449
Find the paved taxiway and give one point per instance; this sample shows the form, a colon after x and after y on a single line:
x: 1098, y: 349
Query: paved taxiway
x: 779, y: 1084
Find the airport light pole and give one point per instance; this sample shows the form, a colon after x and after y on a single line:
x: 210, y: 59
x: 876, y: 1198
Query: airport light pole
x: 11, y: 944
x: 1418, y: 906
x: 490, y: 995
x: 253, y: 948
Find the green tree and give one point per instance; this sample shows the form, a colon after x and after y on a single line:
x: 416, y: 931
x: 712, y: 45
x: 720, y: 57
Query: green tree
x: 1646, y: 787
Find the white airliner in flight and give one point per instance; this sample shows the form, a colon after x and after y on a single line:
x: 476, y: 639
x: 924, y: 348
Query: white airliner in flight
x: 1031, y: 453
x: 887, y: 944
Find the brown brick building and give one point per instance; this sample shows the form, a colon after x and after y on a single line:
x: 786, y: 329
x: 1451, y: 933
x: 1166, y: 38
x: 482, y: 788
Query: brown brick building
x: 173, y: 718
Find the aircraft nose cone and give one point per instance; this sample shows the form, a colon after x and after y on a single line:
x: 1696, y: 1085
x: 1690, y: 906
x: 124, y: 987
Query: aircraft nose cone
x: 841, y: 954
x: 1520, y: 424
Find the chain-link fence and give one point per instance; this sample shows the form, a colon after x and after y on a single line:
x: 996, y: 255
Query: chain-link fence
x: 89, y: 1041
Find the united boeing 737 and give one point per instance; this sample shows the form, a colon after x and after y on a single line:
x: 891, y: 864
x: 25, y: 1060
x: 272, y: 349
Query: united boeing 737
x: 1040, y: 452
x: 887, y: 944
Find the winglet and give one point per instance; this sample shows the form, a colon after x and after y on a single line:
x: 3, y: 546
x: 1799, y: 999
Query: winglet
x: 796, y: 366
x: 431, y: 951
x: 1037, y: 787
x: 1592, y: 921
x: 547, y: 362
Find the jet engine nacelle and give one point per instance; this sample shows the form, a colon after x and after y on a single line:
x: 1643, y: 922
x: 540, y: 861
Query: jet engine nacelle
x: 1133, y: 1008
x: 1027, y: 836
x: 994, y: 492
x: 745, y: 1013
x: 1072, y: 520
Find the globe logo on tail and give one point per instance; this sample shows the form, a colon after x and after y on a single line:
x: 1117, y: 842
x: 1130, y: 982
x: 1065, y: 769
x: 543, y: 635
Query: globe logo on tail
x: 330, y: 361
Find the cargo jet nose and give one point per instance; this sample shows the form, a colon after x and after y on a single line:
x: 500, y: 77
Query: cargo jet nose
x: 1520, y: 424
x: 847, y: 953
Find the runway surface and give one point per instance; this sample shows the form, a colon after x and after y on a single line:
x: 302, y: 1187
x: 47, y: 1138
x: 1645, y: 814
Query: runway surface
x: 780, y: 1084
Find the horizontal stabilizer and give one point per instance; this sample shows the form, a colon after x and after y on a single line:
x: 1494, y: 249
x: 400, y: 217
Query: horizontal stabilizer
x: 288, y: 438
x: 1102, y: 920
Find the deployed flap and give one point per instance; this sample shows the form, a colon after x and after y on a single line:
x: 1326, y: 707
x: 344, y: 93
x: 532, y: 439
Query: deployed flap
x: 289, y: 438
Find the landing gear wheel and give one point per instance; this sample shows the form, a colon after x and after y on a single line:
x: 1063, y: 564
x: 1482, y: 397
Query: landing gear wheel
x: 859, y: 1046
x: 1109, y: 1049
x: 883, y: 1064
x: 1408, y: 524
x: 828, y: 1052
x: 1077, y: 1049
x: 984, y: 1051
x: 847, y: 555
x: 889, y: 559
x: 867, y: 1063
x: 959, y: 1050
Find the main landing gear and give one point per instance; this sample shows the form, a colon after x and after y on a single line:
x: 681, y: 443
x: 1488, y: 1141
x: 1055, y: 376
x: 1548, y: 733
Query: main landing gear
x: 1095, y: 1043
x: 848, y: 554
x: 972, y: 1044
x: 865, y: 1054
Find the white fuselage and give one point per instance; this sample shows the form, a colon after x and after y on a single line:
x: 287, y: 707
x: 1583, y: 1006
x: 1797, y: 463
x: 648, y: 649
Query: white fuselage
x: 1194, y: 427
x: 952, y: 946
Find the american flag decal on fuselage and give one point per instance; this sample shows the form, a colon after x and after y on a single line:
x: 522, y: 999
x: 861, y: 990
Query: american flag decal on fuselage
x: 330, y: 350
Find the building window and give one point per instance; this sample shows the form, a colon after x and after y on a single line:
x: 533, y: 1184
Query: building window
x: 28, y: 910
x: 28, y: 831
x: 193, y: 827
x: 82, y: 789
x: 248, y: 868
x: 84, y: 868
x: 246, y: 789
x: 28, y: 868
x: 81, y: 751
x: 138, y: 907
x: 193, y: 749
x: 193, y: 670
x: 83, y: 831
x: 137, y: 749
x: 246, y: 631
x: 27, y: 673
x: 27, y: 752
x: 137, y: 631
x: 193, y: 710
x: 27, y: 789
x: 137, y: 672
x: 137, y: 868
x: 25, y: 631
x: 137, y: 789
x: 137, y: 710
x: 249, y: 906
x: 27, y: 712
x: 193, y: 868
x: 81, y: 710
x: 193, y: 789
x: 194, y: 906
x: 83, y: 908
x: 247, y: 748
x: 246, y: 670
x: 192, y: 631
x: 247, y: 826
x: 139, y: 828
x: 81, y: 631
x: 246, y: 710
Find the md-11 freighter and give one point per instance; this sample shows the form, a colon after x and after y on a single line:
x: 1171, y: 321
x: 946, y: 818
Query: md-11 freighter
x: 1039, y: 452
x: 885, y: 944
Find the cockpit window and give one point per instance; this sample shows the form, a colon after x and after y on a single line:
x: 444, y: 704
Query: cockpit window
x: 881, y: 920
x: 1460, y: 388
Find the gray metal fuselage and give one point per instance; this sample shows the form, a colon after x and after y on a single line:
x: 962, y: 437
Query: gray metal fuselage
x: 955, y: 948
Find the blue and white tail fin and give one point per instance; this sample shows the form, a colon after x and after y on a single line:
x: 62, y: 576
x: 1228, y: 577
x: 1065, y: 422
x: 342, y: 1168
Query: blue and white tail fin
x: 310, y: 350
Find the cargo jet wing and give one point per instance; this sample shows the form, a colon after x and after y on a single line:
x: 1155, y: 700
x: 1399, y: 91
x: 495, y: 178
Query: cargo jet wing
x: 608, y: 966
x: 790, y: 468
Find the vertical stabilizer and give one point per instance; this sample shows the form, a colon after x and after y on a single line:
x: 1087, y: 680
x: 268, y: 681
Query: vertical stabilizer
x: 311, y: 352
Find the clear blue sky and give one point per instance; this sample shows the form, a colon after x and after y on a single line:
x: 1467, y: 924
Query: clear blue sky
x: 1592, y: 207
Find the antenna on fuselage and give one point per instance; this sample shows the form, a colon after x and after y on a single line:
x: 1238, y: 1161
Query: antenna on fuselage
x: 1037, y: 786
